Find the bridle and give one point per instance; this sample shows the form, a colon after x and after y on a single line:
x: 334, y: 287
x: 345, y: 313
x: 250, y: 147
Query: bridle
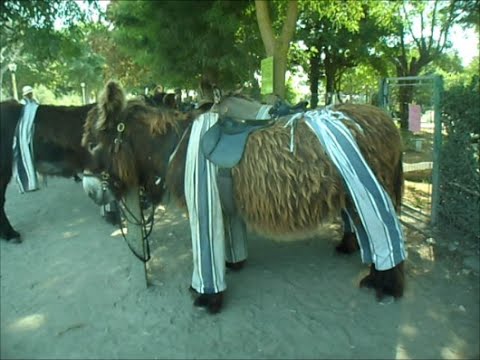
x: 110, y: 181
x: 147, y: 225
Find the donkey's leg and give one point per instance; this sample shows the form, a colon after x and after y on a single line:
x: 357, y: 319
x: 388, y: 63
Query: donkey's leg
x: 349, y: 243
x: 235, y: 228
x: 235, y: 242
x: 111, y: 213
x: 212, y: 302
x: 387, y: 282
x: 6, y: 230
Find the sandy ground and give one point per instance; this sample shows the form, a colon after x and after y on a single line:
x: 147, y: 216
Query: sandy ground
x: 73, y: 290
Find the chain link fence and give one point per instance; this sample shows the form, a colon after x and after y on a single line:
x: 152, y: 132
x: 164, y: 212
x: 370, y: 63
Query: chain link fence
x: 459, y: 207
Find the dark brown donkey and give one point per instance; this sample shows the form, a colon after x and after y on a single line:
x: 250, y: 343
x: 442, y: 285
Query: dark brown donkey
x: 57, y: 146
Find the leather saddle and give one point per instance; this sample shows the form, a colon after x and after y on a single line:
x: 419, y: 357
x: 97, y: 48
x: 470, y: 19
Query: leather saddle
x: 224, y: 143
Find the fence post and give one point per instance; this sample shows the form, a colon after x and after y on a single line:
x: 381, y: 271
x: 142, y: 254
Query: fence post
x: 437, y: 146
x: 382, y: 93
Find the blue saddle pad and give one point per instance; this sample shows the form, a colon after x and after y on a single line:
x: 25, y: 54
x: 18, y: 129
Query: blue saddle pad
x: 224, y: 143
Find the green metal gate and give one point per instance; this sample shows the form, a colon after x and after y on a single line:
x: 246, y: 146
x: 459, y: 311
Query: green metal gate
x: 421, y: 149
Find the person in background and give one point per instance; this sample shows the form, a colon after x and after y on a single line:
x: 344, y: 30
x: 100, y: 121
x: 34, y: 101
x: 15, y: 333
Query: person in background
x: 178, y: 98
x: 27, y: 93
x: 23, y: 162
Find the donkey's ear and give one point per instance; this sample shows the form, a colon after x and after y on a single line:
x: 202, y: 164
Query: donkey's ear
x: 217, y: 94
x: 112, y: 103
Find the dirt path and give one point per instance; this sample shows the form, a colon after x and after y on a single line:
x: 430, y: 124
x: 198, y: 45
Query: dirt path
x: 73, y: 290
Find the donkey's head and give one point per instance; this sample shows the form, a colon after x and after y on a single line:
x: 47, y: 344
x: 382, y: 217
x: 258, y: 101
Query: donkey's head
x: 130, y: 143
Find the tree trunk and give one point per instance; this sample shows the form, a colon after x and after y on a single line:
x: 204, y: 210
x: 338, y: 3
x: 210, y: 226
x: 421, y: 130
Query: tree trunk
x: 208, y: 82
x: 329, y: 80
x: 405, y: 97
x: 277, y: 46
x: 314, y: 79
x: 279, y: 70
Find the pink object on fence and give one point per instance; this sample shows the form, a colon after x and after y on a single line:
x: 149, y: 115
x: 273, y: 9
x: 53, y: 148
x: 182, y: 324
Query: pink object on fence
x: 414, y: 117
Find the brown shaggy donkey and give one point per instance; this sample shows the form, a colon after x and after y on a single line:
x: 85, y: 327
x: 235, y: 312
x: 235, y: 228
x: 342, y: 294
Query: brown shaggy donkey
x: 57, y: 149
x: 277, y: 192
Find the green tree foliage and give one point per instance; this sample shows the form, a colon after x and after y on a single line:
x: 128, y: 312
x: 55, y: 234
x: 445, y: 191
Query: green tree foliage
x: 461, y: 109
x: 460, y: 161
x: 57, y: 43
x: 470, y: 15
x: 421, y: 36
x: 361, y: 80
x: 117, y: 64
x: 449, y: 66
x: 339, y: 36
x: 24, y: 23
x: 46, y: 39
x: 178, y: 42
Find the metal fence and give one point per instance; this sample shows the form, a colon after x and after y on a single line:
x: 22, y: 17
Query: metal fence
x: 422, y: 145
x: 441, y: 159
x: 459, y: 207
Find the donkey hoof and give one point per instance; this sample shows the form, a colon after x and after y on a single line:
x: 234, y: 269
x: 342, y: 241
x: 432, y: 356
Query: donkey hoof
x: 15, y: 240
x: 212, y: 302
x: 388, y: 282
x: 348, y: 244
x: 113, y: 218
x: 235, y: 266
x: 11, y: 236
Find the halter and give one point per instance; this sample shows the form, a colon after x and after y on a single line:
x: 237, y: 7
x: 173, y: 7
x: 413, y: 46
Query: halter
x: 131, y: 218
x: 172, y: 155
x: 118, y: 139
x: 138, y: 222
x: 109, y: 181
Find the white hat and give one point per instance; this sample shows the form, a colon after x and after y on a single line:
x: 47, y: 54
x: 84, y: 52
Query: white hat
x: 27, y: 90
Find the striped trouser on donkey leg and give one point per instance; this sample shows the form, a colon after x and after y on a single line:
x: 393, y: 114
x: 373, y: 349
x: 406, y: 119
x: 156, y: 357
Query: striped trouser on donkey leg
x: 379, y: 232
x: 210, y: 250
x: 235, y: 228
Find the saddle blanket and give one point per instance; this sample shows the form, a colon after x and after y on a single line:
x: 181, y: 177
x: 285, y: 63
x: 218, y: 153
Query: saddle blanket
x: 23, y: 161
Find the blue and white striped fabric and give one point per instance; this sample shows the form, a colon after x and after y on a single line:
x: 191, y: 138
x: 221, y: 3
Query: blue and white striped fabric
x: 205, y: 213
x: 216, y: 237
x: 380, y: 234
x: 23, y: 161
x: 263, y: 112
